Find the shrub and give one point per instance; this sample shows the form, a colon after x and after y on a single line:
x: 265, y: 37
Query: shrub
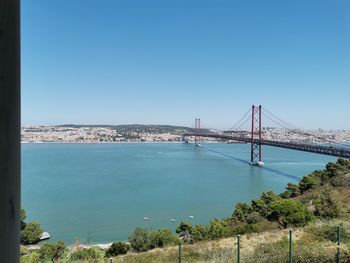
x: 328, y: 204
x: 199, y: 233
x: 140, y: 240
x: 51, y: 251
x: 261, y: 205
x: 289, y: 212
x: 269, y: 197
x: 87, y: 254
x: 334, y: 169
x: 293, y: 189
x: 117, y: 248
x: 218, y: 229
x: 184, y: 226
x: 31, y: 233
x: 254, y: 217
x: 309, y: 182
x: 241, y: 211
x: 162, y: 238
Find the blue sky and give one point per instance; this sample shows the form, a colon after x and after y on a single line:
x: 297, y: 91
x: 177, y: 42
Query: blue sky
x: 167, y: 62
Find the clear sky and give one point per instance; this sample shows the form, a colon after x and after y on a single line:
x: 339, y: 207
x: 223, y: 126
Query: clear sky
x: 167, y: 62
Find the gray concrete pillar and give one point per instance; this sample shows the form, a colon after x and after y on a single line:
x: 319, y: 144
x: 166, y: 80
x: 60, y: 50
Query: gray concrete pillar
x: 10, y: 148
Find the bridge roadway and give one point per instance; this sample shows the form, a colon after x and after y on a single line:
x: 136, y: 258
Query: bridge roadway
x: 321, y: 149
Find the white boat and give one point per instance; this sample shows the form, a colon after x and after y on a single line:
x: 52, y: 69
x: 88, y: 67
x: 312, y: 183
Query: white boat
x: 260, y: 164
x: 44, y: 236
x: 146, y: 218
x: 191, y: 217
x: 172, y: 220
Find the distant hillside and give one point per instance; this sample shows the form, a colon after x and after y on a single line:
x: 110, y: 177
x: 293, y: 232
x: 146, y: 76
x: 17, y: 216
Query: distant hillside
x: 136, y: 127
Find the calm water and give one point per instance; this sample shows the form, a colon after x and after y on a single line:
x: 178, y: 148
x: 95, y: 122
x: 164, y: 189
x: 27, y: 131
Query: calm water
x: 101, y: 192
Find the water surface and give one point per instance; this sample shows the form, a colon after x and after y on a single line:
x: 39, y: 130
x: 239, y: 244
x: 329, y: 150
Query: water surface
x: 101, y: 192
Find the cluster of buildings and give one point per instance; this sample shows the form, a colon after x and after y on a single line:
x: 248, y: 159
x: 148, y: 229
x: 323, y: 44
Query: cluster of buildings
x: 94, y: 134
x: 314, y: 136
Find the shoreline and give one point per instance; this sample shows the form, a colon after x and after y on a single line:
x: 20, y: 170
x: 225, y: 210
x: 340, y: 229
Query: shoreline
x: 164, y: 142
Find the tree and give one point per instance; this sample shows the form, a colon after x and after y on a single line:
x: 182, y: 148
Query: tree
x: 269, y: 197
x: 241, y: 211
x: 117, y: 248
x: 293, y: 189
x: 31, y: 233
x: 162, y: 238
x: 334, y: 169
x: 289, y: 212
x: 261, y: 205
x: 309, y: 182
x: 184, y: 226
x: 140, y: 240
x: 51, y: 251
x: 328, y: 204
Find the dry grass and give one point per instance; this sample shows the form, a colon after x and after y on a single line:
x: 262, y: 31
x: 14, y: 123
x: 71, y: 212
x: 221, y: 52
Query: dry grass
x: 223, y: 250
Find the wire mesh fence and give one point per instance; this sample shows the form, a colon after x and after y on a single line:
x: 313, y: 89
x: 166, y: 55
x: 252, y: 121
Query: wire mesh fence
x: 329, y: 247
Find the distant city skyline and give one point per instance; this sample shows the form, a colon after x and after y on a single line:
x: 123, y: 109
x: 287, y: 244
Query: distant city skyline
x: 167, y: 62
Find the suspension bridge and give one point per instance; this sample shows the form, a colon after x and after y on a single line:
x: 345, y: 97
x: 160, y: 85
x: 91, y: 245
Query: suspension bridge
x: 291, y: 138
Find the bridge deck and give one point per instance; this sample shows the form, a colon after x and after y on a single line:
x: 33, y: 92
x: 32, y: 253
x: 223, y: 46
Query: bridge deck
x: 321, y: 149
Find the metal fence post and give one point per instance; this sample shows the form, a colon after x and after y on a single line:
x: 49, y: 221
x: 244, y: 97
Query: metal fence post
x: 238, y: 249
x: 338, y: 243
x: 290, y: 247
x: 180, y: 252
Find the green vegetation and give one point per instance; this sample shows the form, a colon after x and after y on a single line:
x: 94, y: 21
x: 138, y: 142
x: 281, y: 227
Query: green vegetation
x: 31, y: 233
x: 117, y: 248
x: 89, y: 254
x: 143, y: 239
x: 288, y: 212
x: 318, y: 203
x: 51, y: 251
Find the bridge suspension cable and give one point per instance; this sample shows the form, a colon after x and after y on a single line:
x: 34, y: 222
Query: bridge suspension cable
x: 292, y: 128
x: 242, y: 121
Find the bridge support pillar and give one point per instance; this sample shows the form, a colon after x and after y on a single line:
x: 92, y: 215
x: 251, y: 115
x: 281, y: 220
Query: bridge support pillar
x: 256, y: 146
x: 197, y: 130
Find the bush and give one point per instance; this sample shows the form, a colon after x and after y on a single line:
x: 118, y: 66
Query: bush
x: 140, y: 240
x: 261, y: 205
x: 184, y: 226
x: 218, y: 229
x: 309, y: 182
x: 51, y: 251
x: 162, y: 238
x: 328, y: 204
x: 254, y: 217
x: 117, y: 248
x: 87, y: 254
x: 288, y: 212
x: 241, y: 211
x: 31, y: 233
x: 199, y: 233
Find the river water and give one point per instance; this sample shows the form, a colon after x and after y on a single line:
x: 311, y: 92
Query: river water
x: 101, y: 192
